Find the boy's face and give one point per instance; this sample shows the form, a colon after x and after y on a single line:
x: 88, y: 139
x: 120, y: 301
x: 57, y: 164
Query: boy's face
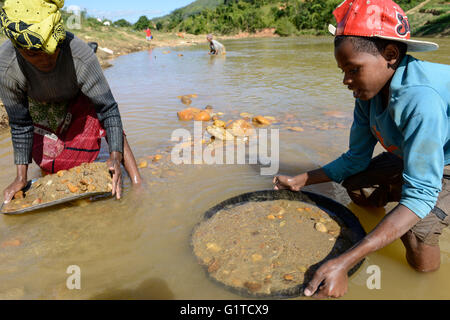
x: 364, y: 73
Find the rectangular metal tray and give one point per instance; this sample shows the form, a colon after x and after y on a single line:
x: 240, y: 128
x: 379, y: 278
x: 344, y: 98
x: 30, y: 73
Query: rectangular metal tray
x: 92, y: 195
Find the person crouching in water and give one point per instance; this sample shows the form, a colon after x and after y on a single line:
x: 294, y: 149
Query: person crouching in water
x: 216, y: 48
x: 404, y: 104
x: 58, y: 101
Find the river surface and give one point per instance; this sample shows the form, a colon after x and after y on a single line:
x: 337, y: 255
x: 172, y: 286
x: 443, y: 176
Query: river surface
x: 139, y: 247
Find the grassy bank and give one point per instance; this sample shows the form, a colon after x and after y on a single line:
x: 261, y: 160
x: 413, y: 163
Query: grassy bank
x: 430, y: 18
x: 123, y: 41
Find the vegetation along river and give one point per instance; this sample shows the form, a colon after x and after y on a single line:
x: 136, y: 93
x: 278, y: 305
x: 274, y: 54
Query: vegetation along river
x: 138, y: 247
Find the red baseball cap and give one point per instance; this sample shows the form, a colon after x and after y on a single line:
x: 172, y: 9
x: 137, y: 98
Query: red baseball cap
x: 376, y: 18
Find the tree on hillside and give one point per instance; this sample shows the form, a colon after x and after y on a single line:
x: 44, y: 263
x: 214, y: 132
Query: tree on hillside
x: 288, y: 17
x: 176, y: 18
x: 122, y: 23
x: 142, y: 23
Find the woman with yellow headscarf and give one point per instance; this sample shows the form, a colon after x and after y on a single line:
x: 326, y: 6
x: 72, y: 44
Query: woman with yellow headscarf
x: 58, y: 101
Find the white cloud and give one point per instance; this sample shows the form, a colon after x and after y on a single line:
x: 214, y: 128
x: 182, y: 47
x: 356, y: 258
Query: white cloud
x: 130, y: 15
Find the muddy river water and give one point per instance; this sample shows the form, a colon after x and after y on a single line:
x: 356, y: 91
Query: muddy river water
x: 138, y: 247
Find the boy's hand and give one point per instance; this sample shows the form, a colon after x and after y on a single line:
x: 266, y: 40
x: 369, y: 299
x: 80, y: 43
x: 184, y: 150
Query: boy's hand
x: 114, y: 167
x: 330, y: 280
x: 290, y: 183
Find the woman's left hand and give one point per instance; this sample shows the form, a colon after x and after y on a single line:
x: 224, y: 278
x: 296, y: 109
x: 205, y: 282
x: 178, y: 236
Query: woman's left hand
x: 113, y: 163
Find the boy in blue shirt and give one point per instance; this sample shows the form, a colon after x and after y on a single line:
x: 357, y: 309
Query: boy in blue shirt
x: 404, y: 104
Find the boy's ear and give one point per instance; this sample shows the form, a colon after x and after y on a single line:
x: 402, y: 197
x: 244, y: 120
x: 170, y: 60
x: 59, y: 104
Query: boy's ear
x: 392, y: 55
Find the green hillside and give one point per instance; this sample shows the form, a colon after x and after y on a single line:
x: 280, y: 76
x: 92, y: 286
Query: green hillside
x: 288, y: 17
x: 199, y: 5
x: 233, y: 16
x: 430, y: 18
x: 191, y: 9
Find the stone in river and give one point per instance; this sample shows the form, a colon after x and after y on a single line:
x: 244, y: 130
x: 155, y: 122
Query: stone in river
x: 246, y: 115
x: 335, y: 114
x: 241, y: 128
x: 261, y: 121
x: 202, y: 116
x: 143, y: 164
x: 219, y: 133
x: 187, y: 114
x: 186, y: 100
x: 11, y: 243
x: 219, y: 123
x: 296, y: 129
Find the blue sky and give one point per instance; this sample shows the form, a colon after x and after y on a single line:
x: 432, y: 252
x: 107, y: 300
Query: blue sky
x: 130, y: 10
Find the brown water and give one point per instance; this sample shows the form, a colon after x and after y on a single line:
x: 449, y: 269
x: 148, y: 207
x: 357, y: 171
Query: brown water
x: 138, y: 247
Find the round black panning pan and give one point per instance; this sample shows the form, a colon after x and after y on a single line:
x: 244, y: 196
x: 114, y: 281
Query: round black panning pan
x: 330, y: 206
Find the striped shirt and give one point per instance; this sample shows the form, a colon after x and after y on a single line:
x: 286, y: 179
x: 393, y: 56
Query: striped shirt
x: 77, y: 70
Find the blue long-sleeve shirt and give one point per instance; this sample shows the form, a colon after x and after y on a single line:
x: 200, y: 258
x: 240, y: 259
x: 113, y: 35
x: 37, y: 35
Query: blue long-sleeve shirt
x: 414, y: 126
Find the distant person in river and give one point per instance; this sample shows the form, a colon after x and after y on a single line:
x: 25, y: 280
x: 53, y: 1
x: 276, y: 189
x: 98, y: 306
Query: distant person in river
x: 216, y: 48
x: 404, y: 104
x: 148, y: 34
x: 58, y: 101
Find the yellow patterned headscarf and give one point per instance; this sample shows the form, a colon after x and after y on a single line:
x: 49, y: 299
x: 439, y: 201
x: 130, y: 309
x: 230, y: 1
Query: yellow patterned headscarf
x: 33, y: 24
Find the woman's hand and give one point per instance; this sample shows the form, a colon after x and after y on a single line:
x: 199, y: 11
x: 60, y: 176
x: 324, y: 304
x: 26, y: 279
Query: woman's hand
x: 290, y: 183
x: 113, y: 163
x: 18, y: 184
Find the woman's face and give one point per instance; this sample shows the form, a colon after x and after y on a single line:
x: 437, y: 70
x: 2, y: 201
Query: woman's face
x: 41, y: 60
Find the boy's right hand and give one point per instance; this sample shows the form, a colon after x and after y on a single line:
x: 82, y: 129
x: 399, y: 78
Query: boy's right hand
x: 289, y: 183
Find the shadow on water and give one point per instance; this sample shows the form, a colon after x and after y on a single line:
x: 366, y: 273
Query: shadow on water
x: 150, y: 289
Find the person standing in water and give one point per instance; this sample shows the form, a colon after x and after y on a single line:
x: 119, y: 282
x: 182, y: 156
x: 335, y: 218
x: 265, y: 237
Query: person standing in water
x: 57, y: 98
x: 216, y: 48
